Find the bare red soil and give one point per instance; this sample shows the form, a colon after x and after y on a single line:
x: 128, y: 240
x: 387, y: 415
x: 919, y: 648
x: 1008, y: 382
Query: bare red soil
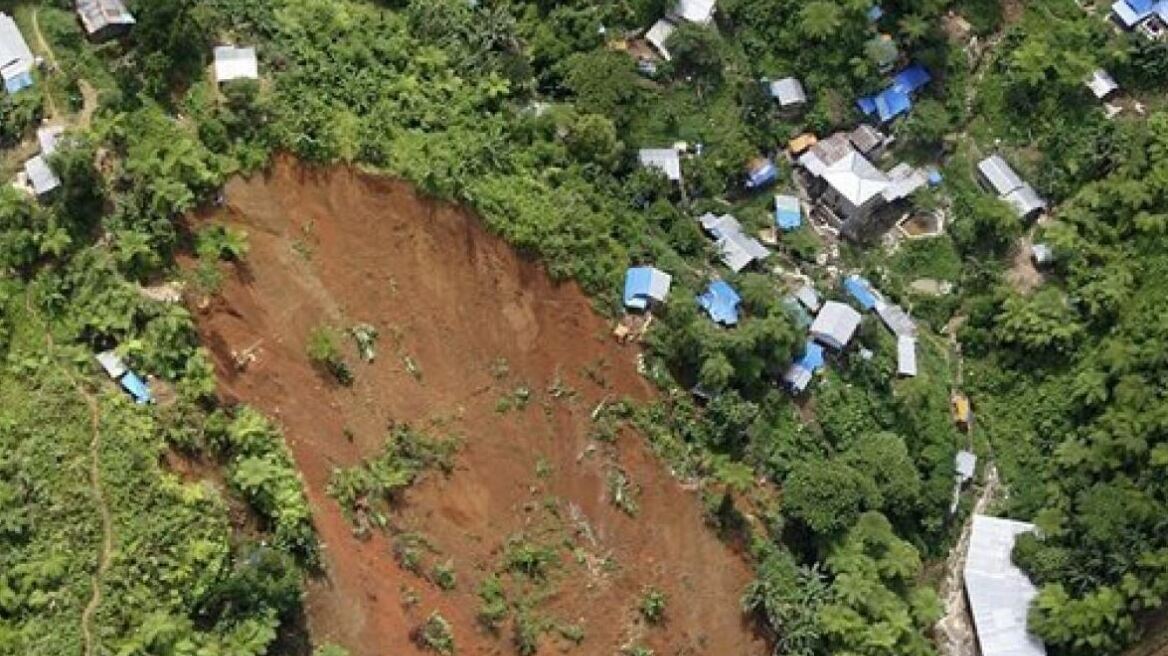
x: 338, y: 246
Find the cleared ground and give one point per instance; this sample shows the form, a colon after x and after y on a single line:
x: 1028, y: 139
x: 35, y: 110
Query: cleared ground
x: 477, y: 323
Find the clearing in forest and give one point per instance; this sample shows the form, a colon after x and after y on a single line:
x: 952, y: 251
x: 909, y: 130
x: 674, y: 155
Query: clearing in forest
x: 474, y: 342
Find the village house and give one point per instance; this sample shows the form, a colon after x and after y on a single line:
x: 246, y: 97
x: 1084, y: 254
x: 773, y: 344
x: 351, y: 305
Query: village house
x: 835, y: 325
x: 232, y: 63
x: 40, y: 177
x: 999, y: 593
x: 853, y: 194
x: 799, y: 375
x: 789, y: 93
x: 721, y: 302
x: 788, y: 212
x: 1148, y: 16
x: 1102, y: 84
x: 906, y: 356
x: 997, y: 175
x: 104, y: 19
x: 700, y: 12
x: 16, y: 60
x: 738, y: 249
x: 897, y: 98
x: 665, y: 160
x: 760, y: 172
x: 645, y: 286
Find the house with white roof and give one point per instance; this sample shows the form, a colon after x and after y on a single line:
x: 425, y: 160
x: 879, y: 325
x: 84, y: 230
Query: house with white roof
x: 16, y: 60
x: 41, y: 178
x: 835, y: 325
x: 1102, y: 84
x: 694, y: 11
x: 999, y: 593
x: 49, y: 137
x: 906, y: 356
x: 737, y: 248
x: 232, y: 63
x: 789, y: 92
x: 997, y: 175
x: 666, y: 160
x: 658, y: 34
x: 851, y: 188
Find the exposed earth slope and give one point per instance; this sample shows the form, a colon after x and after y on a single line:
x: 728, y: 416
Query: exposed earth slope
x: 476, y: 322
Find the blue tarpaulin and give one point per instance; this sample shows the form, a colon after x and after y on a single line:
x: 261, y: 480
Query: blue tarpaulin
x: 18, y: 82
x: 875, y: 13
x: 136, y: 387
x: 1140, y: 6
x: 788, y: 213
x: 891, y: 103
x: 762, y: 174
x: 912, y: 79
x: 897, y: 98
x: 935, y: 178
x: 637, y: 284
x: 812, y: 358
x: 721, y: 302
x: 861, y: 292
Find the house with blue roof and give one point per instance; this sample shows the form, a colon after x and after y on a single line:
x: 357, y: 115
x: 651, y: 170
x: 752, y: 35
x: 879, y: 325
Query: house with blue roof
x: 896, y: 99
x: 721, y: 302
x: 798, y: 376
x: 1149, y: 16
x: 137, y: 388
x: 644, y: 286
x: 788, y: 212
x: 760, y: 173
x: 861, y: 292
x: 16, y: 60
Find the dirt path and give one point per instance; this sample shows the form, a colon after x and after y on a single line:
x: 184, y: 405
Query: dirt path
x: 954, y: 634
x: 49, y: 55
x: 107, y: 533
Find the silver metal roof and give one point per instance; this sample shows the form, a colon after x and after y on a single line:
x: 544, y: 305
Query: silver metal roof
x: 999, y: 175
x: 232, y: 63
x: 112, y: 364
x: 999, y: 593
x: 896, y: 319
x: 659, y: 34
x: 1102, y: 84
x: 835, y: 324
x: 965, y: 464
x: 40, y: 176
x: 788, y: 91
x: 695, y: 11
x: 15, y: 55
x: 808, y: 297
x: 666, y: 160
x: 906, y: 356
x: 1025, y: 200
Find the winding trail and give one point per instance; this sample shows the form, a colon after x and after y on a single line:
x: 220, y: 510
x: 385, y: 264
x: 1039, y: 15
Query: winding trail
x: 107, y: 531
x: 105, y: 552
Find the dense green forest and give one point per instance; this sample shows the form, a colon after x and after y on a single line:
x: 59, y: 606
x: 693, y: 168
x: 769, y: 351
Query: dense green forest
x: 525, y: 112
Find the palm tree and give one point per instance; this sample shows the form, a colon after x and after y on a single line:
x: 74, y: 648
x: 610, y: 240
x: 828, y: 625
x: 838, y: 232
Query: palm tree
x: 819, y: 19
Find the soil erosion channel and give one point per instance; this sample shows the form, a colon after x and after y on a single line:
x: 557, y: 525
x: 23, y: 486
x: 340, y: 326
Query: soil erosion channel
x: 464, y: 324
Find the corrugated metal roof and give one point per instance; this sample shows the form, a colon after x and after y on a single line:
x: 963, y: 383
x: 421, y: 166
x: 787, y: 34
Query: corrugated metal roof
x: 855, y: 178
x: 808, y: 297
x: 666, y: 160
x: 835, y: 324
x: 906, y: 356
x: 112, y: 363
x: 99, y: 14
x: 695, y: 11
x: 788, y: 212
x: 232, y: 63
x: 965, y: 464
x: 40, y: 176
x: 1101, y: 83
x: 1025, y: 200
x: 645, y: 284
x: 999, y: 592
x: 659, y: 34
x: 788, y: 91
x: 49, y: 137
x: 16, y: 60
x: 896, y: 319
x: 737, y: 248
x: 999, y: 175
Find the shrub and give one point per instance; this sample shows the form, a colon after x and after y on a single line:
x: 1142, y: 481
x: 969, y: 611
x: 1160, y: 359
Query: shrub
x: 653, y: 605
x: 435, y: 634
